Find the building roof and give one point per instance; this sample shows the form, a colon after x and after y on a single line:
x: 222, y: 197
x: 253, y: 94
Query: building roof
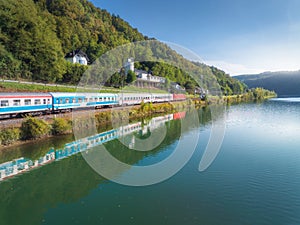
x: 77, y: 52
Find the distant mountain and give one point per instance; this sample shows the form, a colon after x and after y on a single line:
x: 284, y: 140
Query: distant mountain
x: 283, y: 83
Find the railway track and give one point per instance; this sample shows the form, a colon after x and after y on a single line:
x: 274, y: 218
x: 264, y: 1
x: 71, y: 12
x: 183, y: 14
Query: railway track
x: 16, y: 122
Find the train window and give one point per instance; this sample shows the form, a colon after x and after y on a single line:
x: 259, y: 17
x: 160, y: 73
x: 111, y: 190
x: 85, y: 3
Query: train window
x: 48, y: 101
x: 27, y: 101
x: 67, y: 100
x: 4, y: 103
x: 85, y: 100
x: 16, y: 102
x: 60, y: 100
x: 104, y: 98
x: 74, y: 100
x: 100, y: 98
x: 80, y: 100
x: 96, y: 99
x: 37, y: 101
x: 44, y: 101
x: 91, y: 99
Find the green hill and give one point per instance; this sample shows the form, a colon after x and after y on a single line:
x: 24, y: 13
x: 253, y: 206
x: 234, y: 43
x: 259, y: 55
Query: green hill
x: 35, y: 35
x: 283, y: 83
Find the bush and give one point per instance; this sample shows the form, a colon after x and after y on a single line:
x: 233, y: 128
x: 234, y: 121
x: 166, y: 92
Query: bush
x: 10, y: 135
x: 33, y: 128
x: 60, y: 126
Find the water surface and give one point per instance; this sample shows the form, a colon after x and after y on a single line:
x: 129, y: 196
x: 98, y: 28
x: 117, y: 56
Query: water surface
x: 253, y: 180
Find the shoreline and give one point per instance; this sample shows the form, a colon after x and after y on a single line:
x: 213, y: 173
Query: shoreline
x: 102, y: 118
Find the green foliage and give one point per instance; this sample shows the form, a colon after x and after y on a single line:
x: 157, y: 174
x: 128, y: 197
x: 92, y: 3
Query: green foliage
x: 190, y: 87
x: 10, y: 135
x: 131, y: 77
x: 229, y: 85
x: 73, y: 73
x: 20, y: 87
x: 164, y: 70
x: 35, y: 35
x: 116, y: 80
x: 257, y: 94
x: 61, y: 126
x: 261, y: 94
x: 33, y: 128
x: 9, y: 66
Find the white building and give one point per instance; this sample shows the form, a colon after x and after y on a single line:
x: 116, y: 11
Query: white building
x: 77, y: 56
x: 143, y: 78
x: 129, y: 65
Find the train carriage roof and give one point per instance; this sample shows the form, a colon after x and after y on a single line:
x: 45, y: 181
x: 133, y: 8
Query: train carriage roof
x: 82, y: 95
x: 24, y: 95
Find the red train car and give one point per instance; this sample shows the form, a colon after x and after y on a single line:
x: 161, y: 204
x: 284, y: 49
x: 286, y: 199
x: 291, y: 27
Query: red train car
x: 179, y: 97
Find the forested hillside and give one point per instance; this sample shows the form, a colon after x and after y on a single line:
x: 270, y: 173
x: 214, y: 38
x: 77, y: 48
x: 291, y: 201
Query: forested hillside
x: 283, y: 83
x: 35, y: 35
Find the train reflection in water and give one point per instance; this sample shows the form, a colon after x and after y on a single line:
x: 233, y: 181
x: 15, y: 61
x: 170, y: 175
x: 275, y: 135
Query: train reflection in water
x: 21, y: 165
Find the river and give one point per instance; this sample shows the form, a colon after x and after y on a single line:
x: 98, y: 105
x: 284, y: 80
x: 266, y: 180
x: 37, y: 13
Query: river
x: 253, y: 178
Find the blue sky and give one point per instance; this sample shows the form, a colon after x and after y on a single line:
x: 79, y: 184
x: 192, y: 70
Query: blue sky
x: 238, y: 36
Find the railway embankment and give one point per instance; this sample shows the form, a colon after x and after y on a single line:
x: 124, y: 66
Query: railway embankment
x: 18, y: 131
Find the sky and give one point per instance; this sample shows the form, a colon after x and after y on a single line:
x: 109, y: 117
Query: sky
x: 237, y: 36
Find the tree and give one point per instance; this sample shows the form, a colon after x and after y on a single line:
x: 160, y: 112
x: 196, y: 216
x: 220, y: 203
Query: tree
x: 167, y: 83
x: 190, y: 87
x: 73, y: 73
x: 33, y: 128
x: 131, y: 77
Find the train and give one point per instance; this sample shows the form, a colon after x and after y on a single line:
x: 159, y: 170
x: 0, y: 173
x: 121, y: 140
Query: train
x: 20, y: 104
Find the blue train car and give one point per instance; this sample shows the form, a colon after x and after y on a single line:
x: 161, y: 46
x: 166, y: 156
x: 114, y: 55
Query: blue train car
x: 70, y: 149
x: 22, y: 103
x: 65, y: 101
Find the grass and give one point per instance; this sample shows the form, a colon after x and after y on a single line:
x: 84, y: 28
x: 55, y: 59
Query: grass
x: 22, y: 87
x: 17, y: 86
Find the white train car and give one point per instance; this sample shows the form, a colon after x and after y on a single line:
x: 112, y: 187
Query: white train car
x: 137, y: 98
x: 13, y: 104
x: 134, y: 98
x: 162, y: 97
